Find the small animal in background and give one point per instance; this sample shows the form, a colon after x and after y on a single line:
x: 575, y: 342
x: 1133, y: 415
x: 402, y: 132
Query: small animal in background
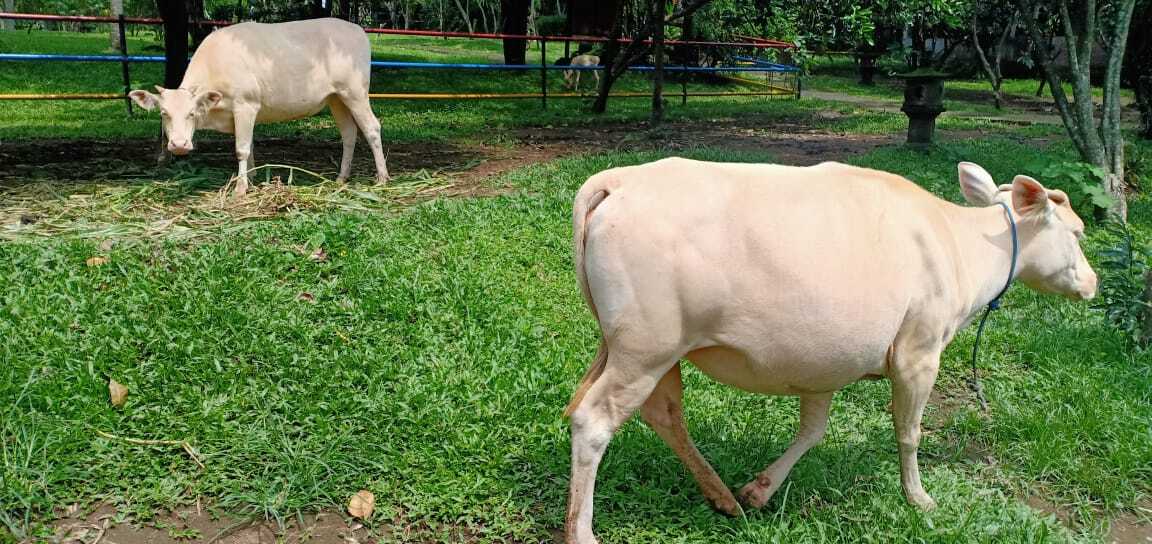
x: 572, y: 77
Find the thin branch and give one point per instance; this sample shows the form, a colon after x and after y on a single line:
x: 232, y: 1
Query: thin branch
x: 142, y: 442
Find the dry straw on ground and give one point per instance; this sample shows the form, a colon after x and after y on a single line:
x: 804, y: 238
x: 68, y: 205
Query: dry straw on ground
x: 176, y: 209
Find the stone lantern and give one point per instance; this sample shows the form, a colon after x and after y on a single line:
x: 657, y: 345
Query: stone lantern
x: 923, y: 102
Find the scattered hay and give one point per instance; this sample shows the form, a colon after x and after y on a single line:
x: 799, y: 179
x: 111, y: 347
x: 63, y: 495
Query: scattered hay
x: 185, y: 207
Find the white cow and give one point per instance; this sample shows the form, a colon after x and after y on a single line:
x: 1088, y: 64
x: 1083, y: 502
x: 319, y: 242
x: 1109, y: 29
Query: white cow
x: 790, y: 281
x: 572, y: 77
x: 263, y: 73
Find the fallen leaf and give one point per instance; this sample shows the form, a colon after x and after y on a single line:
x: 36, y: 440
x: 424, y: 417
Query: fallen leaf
x: 307, y: 297
x: 361, y: 504
x: 117, y: 393
x: 96, y: 261
x: 319, y: 255
x: 106, y: 245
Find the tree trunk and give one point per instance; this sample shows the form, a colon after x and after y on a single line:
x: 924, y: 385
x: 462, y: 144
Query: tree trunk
x: 514, y: 20
x: 658, y: 64
x: 113, y: 36
x: 465, y: 14
x: 344, y: 10
x: 319, y: 9
x: 175, y: 16
x: 8, y: 24
x: 616, y: 62
x: 1143, y: 88
x: 609, y: 60
x: 992, y: 68
x: 196, y: 16
x: 1137, y: 71
x: 1101, y: 145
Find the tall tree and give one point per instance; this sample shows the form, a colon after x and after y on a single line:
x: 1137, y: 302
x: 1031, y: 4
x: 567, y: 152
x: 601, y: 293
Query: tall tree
x: 8, y: 24
x: 1084, y: 22
x: 175, y: 16
x: 616, y: 59
x: 657, y: 14
x: 992, y: 19
x: 514, y: 20
x: 1137, y: 71
x: 114, y: 36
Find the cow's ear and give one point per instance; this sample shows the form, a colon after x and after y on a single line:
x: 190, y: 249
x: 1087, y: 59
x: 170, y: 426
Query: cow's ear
x: 145, y: 99
x: 209, y: 99
x: 1029, y: 197
x: 976, y: 184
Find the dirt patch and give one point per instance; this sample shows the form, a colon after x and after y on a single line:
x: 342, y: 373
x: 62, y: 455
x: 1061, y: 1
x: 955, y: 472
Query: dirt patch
x: 789, y: 143
x: 1131, y: 528
x: 191, y: 525
x: 85, y: 160
x: 105, y: 526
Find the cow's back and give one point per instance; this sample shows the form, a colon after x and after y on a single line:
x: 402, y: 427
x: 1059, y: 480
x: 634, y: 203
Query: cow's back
x: 288, y: 68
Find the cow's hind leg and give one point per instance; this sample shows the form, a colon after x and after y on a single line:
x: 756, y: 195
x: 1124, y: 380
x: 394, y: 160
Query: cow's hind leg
x: 664, y: 412
x: 348, y: 132
x: 813, y: 423
x: 361, y: 111
x: 625, y: 384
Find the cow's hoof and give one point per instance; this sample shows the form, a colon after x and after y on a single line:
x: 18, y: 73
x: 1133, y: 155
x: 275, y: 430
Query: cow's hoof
x: 756, y: 494
x: 922, y: 501
x: 728, y: 506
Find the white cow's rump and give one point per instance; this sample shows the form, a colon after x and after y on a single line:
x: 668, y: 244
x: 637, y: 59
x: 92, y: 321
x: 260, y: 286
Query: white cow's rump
x: 789, y: 281
x: 263, y: 73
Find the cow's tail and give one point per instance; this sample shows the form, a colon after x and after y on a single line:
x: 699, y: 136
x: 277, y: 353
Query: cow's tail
x: 590, y: 195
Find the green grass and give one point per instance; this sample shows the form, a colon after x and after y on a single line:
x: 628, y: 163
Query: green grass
x: 441, y: 342
x: 441, y: 347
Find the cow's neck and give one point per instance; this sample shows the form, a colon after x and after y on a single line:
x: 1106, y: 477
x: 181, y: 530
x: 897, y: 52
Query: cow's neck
x: 984, y: 244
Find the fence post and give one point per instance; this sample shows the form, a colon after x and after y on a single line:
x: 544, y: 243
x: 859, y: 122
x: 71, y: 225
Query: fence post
x: 543, y: 74
x: 124, y: 62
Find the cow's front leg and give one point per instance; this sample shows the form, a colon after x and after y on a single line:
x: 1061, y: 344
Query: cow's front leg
x: 245, y: 125
x: 813, y: 423
x: 912, y: 378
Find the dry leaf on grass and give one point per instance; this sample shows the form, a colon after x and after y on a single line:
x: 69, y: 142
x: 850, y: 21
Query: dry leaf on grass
x: 96, y: 261
x: 361, y: 504
x: 319, y: 255
x: 307, y: 297
x: 117, y: 393
x: 107, y: 244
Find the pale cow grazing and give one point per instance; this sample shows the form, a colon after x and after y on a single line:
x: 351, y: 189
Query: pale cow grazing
x: 572, y: 77
x: 264, y: 73
x: 790, y: 281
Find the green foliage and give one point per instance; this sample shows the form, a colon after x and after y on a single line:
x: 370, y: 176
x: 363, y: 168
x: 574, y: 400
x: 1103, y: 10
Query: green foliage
x: 1082, y: 181
x: 552, y: 25
x: 1122, y: 266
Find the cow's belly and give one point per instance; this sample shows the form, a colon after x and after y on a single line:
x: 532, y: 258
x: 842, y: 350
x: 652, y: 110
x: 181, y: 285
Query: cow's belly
x: 785, y: 373
x: 286, y: 110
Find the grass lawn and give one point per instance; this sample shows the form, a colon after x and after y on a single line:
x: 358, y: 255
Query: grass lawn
x: 428, y: 354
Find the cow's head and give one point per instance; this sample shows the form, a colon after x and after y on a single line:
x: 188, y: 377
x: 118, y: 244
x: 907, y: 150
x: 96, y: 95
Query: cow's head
x: 1050, y: 256
x: 181, y: 110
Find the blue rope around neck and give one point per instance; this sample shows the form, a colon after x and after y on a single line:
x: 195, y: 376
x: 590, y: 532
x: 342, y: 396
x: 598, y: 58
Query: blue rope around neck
x: 994, y: 304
